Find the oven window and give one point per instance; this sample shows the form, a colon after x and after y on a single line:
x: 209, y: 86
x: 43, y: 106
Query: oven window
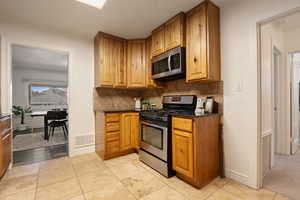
x: 160, y: 66
x: 152, y: 136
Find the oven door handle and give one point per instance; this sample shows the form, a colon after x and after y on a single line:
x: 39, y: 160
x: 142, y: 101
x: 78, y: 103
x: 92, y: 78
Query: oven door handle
x: 153, y: 125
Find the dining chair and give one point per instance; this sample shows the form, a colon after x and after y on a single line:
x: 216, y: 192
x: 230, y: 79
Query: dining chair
x: 57, y: 119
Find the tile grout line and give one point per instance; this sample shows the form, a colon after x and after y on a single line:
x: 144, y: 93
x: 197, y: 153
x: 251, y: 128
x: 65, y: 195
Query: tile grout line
x: 37, y: 182
x: 78, y: 181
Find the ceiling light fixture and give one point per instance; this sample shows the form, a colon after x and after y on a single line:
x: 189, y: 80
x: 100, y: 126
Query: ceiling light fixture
x: 95, y: 3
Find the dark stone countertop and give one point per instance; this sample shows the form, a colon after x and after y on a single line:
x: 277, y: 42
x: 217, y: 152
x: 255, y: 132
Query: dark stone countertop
x: 118, y: 110
x: 193, y: 115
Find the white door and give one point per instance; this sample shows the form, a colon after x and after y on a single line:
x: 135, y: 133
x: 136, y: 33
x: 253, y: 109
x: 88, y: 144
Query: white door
x: 294, y: 59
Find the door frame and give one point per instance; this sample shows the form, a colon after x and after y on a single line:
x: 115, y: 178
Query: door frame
x: 6, y: 75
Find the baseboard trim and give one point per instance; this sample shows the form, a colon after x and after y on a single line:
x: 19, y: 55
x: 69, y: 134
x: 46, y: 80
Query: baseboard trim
x: 239, y: 177
x: 79, y: 150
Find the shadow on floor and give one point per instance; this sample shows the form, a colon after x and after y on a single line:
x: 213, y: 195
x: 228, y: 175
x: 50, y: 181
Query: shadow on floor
x: 39, y: 154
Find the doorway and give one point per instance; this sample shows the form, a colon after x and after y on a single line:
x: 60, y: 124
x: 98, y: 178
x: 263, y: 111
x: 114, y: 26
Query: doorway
x: 279, y: 104
x: 40, y: 104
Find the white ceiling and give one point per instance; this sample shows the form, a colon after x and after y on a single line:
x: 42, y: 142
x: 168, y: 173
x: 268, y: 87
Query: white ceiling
x: 38, y: 59
x: 124, y: 18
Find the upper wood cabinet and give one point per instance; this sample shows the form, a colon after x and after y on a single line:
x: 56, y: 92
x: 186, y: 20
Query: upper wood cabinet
x: 136, y: 63
x: 175, y: 32
x: 110, y: 65
x: 149, y: 81
x: 203, y: 43
x: 158, y: 41
x: 120, y: 63
x: 169, y: 35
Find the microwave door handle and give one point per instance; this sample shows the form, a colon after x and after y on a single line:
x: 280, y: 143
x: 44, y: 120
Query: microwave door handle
x: 169, y: 62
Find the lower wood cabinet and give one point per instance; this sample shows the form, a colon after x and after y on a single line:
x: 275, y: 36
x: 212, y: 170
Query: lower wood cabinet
x: 116, y: 134
x: 183, y: 156
x: 195, y: 149
x: 5, y: 144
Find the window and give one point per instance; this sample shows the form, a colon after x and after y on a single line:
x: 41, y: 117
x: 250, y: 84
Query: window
x: 47, y: 94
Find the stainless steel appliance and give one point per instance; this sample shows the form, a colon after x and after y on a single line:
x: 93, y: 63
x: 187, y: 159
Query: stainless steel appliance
x: 156, y: 137
x: 170, y: 65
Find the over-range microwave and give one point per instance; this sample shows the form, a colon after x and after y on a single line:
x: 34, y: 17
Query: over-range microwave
x: 170, y: 65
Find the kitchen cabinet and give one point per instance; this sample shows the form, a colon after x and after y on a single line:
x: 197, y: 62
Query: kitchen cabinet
x: 5, y: 144
x: 116, y: 134
x: 110, y: 67
x: 203, y: 43
x: 158, y: 41
x: 150, y: 83
x: 120, y: 63
x: 183, y: 161
x: 195, y: 149
x: 175, y: 32
x: 169, y: 35
x: 136, y: 63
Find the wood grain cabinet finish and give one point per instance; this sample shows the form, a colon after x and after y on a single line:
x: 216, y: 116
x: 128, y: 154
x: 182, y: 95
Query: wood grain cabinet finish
x: 116, y: 134
x: 169, y: 35
x: 175, y: 32
x: 203, y: 43
x: 150, y: 83
x: 130, y: 131
x: 183, y: 159
x: 158, y: 41
x: 5, y: 144
x: 136, y: 63
x: 195, y: 149
x: 110, y: 64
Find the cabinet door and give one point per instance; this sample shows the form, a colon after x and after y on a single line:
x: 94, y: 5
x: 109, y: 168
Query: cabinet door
x: 120, y: 63
x: 136, y: 68
x: 126, y: 133
x: 196, y: 46
x: 135, y: 130
x: 106, y: 62
x: 158, y: 41
x: 174, y: 32
x: 182, y: 144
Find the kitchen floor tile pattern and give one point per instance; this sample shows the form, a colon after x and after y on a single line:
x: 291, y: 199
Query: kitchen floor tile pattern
x: 87, y: 177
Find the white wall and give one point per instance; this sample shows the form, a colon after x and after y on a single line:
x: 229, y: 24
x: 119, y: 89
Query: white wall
x: 22, y: 78
x: 240, y: 75
x: 81, y: 117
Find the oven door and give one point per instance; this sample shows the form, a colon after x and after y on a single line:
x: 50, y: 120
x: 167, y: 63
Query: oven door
x: 154, y: 139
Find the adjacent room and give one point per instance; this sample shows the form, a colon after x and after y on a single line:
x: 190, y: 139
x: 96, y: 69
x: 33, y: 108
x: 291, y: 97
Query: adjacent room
x: 40, y: 104
x: 280, y: 70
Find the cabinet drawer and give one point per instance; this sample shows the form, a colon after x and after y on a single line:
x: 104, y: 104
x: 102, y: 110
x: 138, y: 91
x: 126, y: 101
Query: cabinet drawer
x: 110, y: 127
x: 112, y: 136
x: 112, y: 147
x: 115, y: 117
x: 182, y: 124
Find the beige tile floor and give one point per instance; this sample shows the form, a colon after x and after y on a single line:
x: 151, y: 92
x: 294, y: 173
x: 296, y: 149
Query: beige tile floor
x: 87, y: 177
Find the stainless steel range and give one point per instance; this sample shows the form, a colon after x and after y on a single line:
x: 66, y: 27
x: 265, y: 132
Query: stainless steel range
x: 156, y: 137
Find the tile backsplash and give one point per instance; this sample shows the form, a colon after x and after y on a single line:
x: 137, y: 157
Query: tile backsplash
x: 106, y: 98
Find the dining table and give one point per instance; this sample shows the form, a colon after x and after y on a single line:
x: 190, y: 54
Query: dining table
x: 44, y: 115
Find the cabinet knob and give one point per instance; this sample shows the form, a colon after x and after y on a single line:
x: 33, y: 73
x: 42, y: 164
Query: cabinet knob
x: 195, y: 59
